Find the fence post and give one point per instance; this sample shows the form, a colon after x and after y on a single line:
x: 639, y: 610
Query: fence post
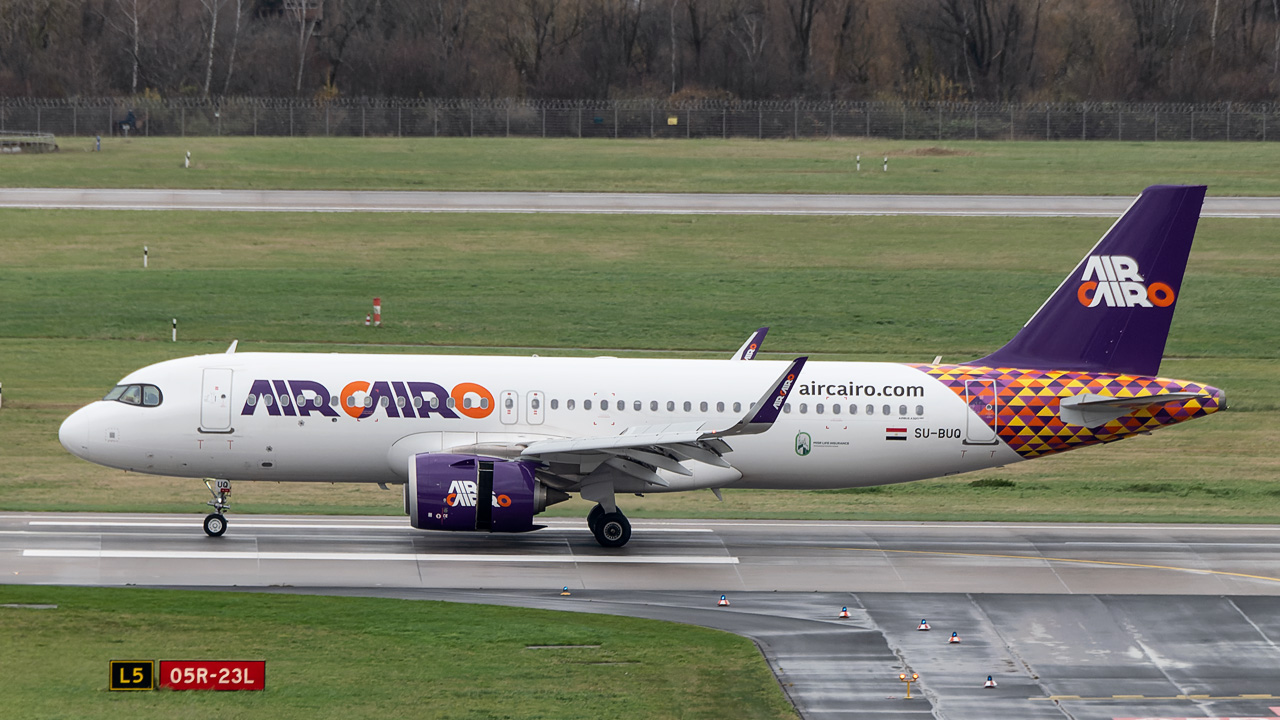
x: 1084, y: 121
x: 399, y: 124
x: 1119, y: 124
x: 688, y: 123
x: 724, y: 122
x: 759, y: 121
x: 1264, y: 124
x: 904, y: 121
x: 1193, y: 126
x: 831, y: 120
x: 795, y: 119
x: 1047, y: 112
x: 1010, y: 121
x: 471, y: 117
x: 1228, y: 122
x: 615, y: 119
x: 1156, y: 133
x: 435, y: 119
x: 975, y: 122
x: 326, y: 120
x: 508, y: 109
x: 544, y: 121
x: 939, y: 122
x: 37, y: 118
x: 579, y: 121
x: 290, y: 119
x: 183, y: 121
x: 74, y: 132
x: 651, y: 130
x: 867, y: 110
x: 362, y: 121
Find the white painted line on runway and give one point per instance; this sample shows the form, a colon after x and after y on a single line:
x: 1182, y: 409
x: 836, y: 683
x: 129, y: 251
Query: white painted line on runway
x: 300, y: 526
x: 367, y: 557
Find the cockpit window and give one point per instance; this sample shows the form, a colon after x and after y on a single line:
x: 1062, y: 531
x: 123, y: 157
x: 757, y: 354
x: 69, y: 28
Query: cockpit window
x: 144, y: 395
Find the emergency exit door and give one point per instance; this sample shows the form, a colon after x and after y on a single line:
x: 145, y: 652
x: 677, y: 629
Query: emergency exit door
x: 215, y: 400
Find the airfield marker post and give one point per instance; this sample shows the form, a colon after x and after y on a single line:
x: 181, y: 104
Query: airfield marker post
x: 144, y: 257
x: 175, y: 330
x: 377, y: 312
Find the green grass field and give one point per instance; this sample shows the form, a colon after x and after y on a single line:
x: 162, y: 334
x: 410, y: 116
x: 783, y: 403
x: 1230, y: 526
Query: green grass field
x: 801, y: 166
x: 83, y: 313
x: 352, y: 658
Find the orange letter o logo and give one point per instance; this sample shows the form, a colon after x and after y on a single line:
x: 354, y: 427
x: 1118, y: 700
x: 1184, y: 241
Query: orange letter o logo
x: 459, y: 394
x: 1083, y: 293
x: 1160, y: 295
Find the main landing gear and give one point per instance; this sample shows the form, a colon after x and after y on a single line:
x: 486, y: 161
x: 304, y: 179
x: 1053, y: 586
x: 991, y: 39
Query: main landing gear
x: 215, y: 523
x: 612, y: 529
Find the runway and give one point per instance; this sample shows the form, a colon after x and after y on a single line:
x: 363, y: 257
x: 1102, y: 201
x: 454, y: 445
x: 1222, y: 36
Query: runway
x: 1077, y: 621
x: 606, y: 203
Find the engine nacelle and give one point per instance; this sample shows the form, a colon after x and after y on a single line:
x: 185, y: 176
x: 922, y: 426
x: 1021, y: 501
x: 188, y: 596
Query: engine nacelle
x: 468, y: 492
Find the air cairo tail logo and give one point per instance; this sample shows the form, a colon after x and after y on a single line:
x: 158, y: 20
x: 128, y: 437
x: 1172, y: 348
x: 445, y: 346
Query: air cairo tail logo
x: 1114, y: 281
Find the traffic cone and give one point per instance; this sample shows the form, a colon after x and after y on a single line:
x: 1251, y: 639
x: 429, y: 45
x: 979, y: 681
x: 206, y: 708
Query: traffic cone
x: 724, y: 601
x: 844, y: 613
x: 923, y: 625
x: 989, y: 683
x: 954, y: 639
x: 565, y: 591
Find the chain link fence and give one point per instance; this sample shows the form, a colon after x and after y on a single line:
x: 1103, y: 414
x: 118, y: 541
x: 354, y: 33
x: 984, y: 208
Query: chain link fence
x: 398, y: 117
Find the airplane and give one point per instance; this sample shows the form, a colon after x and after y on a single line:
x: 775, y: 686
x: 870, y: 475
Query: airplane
x: 487, y: 443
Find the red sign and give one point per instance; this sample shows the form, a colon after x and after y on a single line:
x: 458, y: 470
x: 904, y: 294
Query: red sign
x: 213, y: 674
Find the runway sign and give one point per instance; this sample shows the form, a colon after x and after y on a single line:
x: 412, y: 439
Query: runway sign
x: 132, y: 675
x: 213, y: 674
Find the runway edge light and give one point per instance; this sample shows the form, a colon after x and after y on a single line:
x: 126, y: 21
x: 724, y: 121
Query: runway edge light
x: 844, y: 613
x: 564, y: 590
x: 954, y: 639
x: 724, y: 602
x: 990, y: 683
x: 924, y: 625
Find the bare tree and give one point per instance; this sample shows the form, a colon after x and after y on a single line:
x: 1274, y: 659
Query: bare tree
x: 129, y: 29
x: 303, y: 12
x: 213, y: 7
x: 802, y: 14
x: 235, y: 43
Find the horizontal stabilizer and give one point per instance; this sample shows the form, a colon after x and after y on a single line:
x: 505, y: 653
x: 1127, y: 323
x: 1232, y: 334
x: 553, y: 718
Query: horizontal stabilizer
x: 1093, y: 410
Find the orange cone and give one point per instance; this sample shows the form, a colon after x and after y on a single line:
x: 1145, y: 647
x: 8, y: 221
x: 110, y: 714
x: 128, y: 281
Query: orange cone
x: 844, y: 613
x: 923, y: 625
x: 954, y: 639
x: 724, y: 601
x: 989, y: 683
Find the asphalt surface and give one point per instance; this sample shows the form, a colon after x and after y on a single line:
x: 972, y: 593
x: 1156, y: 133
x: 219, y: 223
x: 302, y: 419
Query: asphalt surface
x: 1071, y: 621
x: 607, y: 203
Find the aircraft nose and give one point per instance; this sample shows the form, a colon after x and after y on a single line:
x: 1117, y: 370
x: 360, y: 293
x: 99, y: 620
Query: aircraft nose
x: 74, y: 433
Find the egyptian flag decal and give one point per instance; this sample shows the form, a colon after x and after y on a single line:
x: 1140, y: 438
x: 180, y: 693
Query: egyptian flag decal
x: 895, y: 434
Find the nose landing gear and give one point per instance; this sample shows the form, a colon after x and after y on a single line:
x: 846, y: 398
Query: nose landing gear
x: 215, y: 523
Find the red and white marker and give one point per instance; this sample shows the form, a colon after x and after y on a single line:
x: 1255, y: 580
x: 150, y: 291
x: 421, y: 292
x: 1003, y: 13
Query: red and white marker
x: 954, y: 639
x: 724, y: 601
x: 377, y: 312
x: 923, y: 625
x: 990, y: 683
x: 844, y: 613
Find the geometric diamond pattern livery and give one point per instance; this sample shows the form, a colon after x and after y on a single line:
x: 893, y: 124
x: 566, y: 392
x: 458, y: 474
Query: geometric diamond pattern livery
x: 1026, y: 417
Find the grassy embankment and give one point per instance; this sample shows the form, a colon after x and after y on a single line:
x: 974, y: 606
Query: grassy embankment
x: 82, y: 313
x: 804, y: 166
x: 352, y: 658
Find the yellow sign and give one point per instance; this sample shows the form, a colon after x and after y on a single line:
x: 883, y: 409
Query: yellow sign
x: 132, y: 675
x: 673, y: 120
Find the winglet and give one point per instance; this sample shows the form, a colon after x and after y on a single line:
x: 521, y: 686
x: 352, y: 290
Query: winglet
x: 761, y: 416
x: 752, y: 345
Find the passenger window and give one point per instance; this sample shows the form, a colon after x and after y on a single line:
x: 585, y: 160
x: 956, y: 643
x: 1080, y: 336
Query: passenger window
x: 671, y: 406
x: 269, y: 400
x: 568, y: 404
x: 871, y: 409
x: 555, y: 404
x: 368, y: 401
x: 835, y: 409
x: 604, y: 404
x: 284, y: 400
x: 653, y: 406
x: 902, y: 409
x: 818, y: 408
x: 509, y: 403
x: 853, y: 409
x: 920, y: 410
x: 484, y: 403
x: 804, y: 408
x: 886, y: 410
x: 737, y: 407
x: 417, y: 402
x: 535, y: 404
x: 333, y: 401
x: 448, y: 402
x: 637, y: 405
x: 787, y: 408
x: 586, y: 404
x: 251, y: 400
x: 703, y: 406
x: 688, y: 406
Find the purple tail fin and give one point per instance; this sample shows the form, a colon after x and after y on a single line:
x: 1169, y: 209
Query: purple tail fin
x: 1112, y: 313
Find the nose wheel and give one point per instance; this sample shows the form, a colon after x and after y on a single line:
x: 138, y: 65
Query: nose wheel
x: 611, y: 529
x: 215, y: 523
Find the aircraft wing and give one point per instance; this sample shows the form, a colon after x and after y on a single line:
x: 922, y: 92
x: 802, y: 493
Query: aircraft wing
x: 1093, y: 410
x: 752, y: 345
x: 640, y: 451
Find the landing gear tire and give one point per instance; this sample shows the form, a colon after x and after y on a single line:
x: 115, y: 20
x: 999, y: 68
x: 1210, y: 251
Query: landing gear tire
x: 612, y: 530
x: 593, y: 518
x: 215, y: 524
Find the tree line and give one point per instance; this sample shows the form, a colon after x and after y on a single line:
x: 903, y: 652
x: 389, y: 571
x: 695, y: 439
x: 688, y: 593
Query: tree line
x: 912, y: 50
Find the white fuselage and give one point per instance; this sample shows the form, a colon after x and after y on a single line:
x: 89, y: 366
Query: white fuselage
x: 894, y: 423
